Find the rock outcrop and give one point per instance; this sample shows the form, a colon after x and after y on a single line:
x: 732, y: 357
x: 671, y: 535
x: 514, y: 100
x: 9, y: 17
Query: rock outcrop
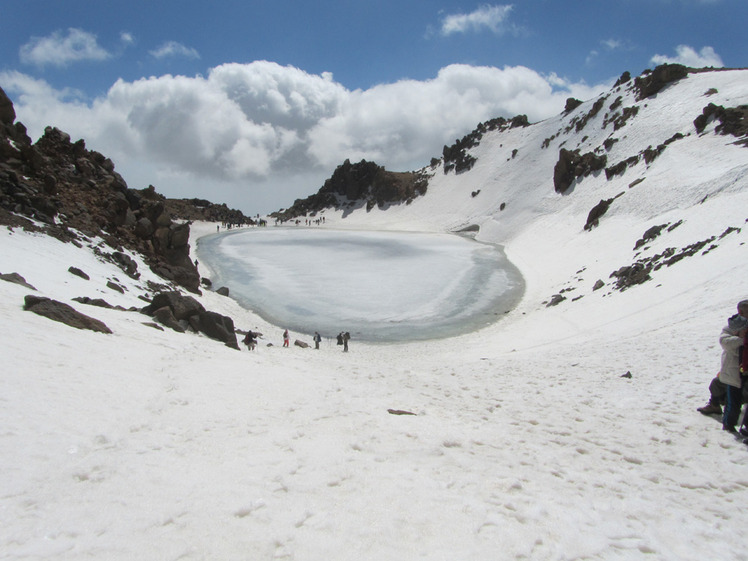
x: 363, y: 183
x: 180, y: 313
x: 63, y: 313
x: 572, y: 165
x: 65, y: 187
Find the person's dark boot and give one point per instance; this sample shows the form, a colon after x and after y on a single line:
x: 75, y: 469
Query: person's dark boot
x: 710, y: 409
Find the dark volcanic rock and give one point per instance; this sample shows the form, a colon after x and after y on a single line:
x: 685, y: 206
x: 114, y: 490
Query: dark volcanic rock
x: 16, y: 279
x: 78, y: 273
x: 63, y: 313
x: 572, y: 165
x: 177, y: 311
x: 364, y: 182
x: 649, y: 84
x: 733, y: 121
x: 7, y: 112
x: 166, y: 317
x: 217, y: 326
x: 571, y: 104
x: 593, y: 218
x: 631, y: 275
x: 98, y: 302
x: 181, y: 306
x: 67, y: 187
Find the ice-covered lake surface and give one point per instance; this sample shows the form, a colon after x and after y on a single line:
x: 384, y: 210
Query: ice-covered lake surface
x: 379, y: 286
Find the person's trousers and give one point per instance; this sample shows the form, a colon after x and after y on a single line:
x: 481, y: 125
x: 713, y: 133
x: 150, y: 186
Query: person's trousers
x: 732, y: 407
x: 717, y: 392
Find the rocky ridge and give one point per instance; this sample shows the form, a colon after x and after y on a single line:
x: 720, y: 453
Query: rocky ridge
x: 60, y: 187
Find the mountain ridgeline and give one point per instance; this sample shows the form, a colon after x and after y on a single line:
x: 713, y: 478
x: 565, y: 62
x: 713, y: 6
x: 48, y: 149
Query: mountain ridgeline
x: 366, y: 185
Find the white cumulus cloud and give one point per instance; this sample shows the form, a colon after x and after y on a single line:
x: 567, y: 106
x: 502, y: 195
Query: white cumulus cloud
x: 689, y: 57
x: 485, y: 17
x: 62, y: 48
x: 172, y: 49
x: 261, y: 127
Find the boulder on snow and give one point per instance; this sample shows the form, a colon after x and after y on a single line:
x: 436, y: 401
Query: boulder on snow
x: 16, y: 279
x: 217, y: 326
x: 78, y: 273
x: 166, y: 317
x: 63, y: 313
x: 181, y: 306
x: 98, y: 302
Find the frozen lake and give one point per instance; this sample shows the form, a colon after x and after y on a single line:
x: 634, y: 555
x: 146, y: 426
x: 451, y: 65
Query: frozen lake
x: 380, y: 286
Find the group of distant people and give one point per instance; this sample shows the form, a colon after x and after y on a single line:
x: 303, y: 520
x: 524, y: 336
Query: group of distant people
x: 297, y: 221
x: 250, y: 339
x: 730, y: 386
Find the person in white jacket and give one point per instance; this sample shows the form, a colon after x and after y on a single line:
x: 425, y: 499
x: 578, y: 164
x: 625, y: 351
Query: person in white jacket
x: 731, y: 341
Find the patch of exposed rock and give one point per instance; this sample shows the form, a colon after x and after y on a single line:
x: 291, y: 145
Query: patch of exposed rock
x: 180, y: 313
x: 15, y: 278
x: 63, y: 313
x: 572, y: 165
x: 732, y: 120
x: 650, y: 83
x: 364, y: 183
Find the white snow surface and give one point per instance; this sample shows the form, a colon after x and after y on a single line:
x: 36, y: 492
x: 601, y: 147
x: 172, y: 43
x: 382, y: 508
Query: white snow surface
x: 526, y: 442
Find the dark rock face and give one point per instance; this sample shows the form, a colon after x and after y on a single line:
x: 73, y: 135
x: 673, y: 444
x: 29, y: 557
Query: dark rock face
x: 177, y: 311
x: 219, y: 327
x: 572, y: 165
x: 181, y: 306
x: 78, y: 273
x: 61, y: 312
x: 16, y: 279
x: 571, y: 104
x: 648, y: 85
x: 650, y: 235
x: 733, y: 121
x: 630, y: 275
x: 98, y: 302
x: 65, y: 186
x: 365, y: 183
x: 624, y: 79
x: 166, y: 317
x: 7, y: 112
x: 200, y: 209
x: 593, y: 218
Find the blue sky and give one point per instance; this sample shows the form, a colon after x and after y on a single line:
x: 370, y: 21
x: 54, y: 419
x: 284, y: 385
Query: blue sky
x: 254, y: 103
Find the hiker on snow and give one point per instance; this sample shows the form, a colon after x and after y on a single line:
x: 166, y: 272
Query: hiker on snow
x: 731, y: 340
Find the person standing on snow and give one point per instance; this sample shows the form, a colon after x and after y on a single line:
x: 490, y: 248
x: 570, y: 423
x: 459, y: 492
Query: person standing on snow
x: 731, y: 340
x: 286, y: 338
x: 317, y: 339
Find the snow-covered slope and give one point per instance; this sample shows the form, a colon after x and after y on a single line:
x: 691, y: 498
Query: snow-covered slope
x: 527, y: 441
x: 697, y: 186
